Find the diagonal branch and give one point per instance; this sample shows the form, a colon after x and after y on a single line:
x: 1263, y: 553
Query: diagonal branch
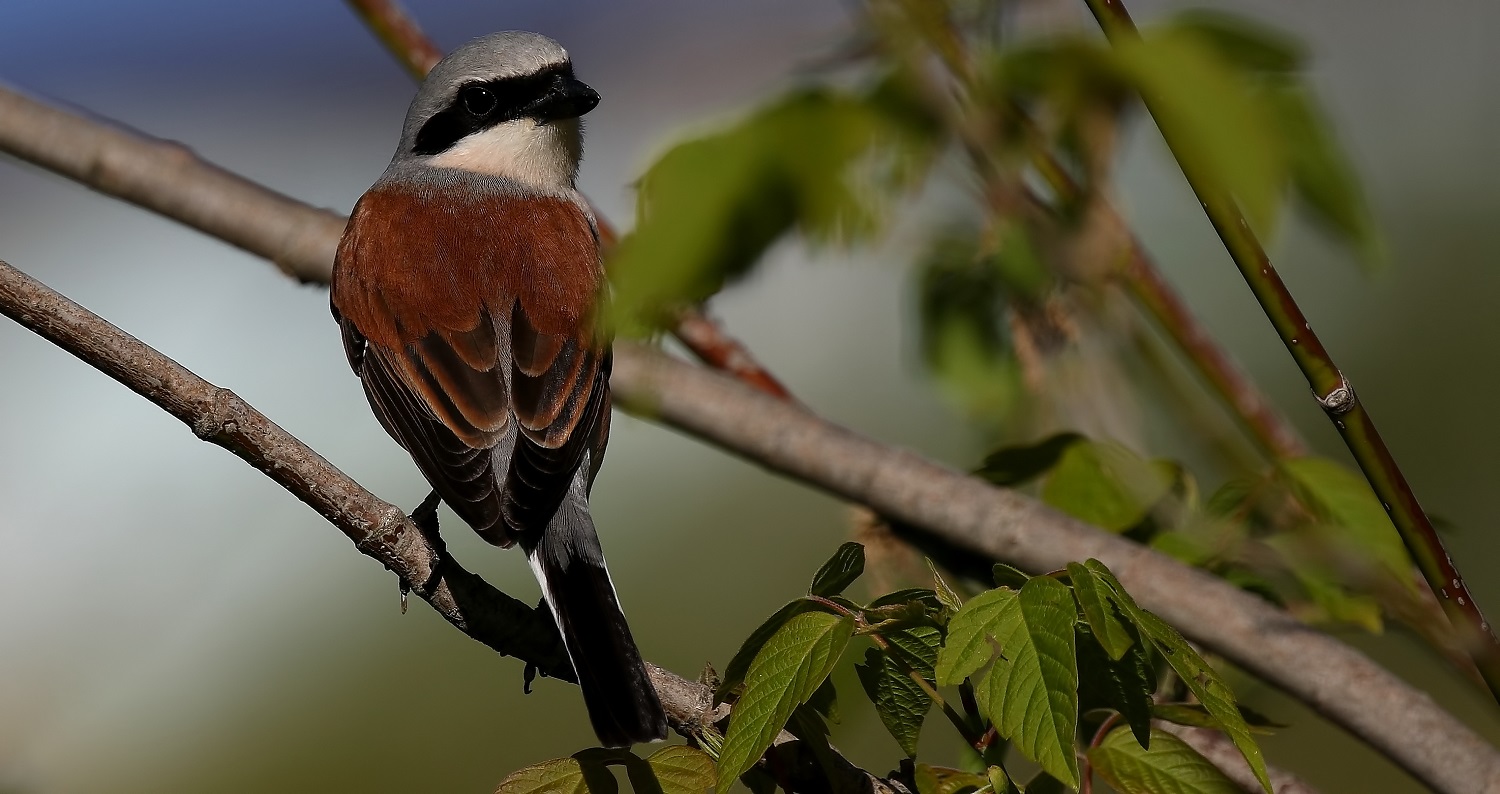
x: 941, y: 505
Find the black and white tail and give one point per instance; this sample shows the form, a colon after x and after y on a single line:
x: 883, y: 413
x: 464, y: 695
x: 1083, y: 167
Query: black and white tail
x: 569, y: 565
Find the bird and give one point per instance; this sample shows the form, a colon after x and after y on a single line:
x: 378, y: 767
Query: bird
x: 468, y: 286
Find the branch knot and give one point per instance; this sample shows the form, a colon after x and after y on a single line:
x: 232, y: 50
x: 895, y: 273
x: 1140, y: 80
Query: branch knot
x: 1340, y: 401
x: 218, y: 417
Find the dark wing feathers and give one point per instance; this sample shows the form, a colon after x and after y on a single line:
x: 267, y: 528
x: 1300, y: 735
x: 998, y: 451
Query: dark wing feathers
x: 454, y: 338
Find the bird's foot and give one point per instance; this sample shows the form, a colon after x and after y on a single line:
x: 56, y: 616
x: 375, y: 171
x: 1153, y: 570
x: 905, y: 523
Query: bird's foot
x: 426, y: 519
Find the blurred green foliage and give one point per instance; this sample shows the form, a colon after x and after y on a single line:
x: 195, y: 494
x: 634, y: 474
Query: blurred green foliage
x: 1012, y: 288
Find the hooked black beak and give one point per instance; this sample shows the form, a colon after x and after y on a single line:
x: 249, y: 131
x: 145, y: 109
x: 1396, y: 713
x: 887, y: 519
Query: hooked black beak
x: 566, y: 98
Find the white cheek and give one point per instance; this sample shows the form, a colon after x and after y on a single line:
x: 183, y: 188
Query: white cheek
x: 544, y: 156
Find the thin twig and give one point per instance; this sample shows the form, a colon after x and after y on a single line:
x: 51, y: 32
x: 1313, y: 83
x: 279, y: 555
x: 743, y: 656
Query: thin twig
x: 400, y: 34
x: 940, y: 506
x: 703, y: 337
x: 1330, y: 387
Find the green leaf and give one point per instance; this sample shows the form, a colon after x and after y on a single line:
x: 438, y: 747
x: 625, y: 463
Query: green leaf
x: 840, y: 571
x: 1210, y: 689
x: 583, y: 772
x: 886, y: 676
x: 825, y: 701
x: 786, y: 672
x: 1020, y: 464
x: 962, y: 303
x: 1043, y: 783
x: 1222, y: 130
x: 941, y: 780
x: 1248, y: 44
x: 945, y: 594
x: 1099, y: 611
x: 1322, y: 176
x: 1030, y: 694
x: 709, y: 207
x: 1305, y: 554
x: 1169, y: 767
x: 901, y: 703
x: 677, y: 769
x: 1125, y: 685
x: 734, y: 674
x: 920, y: 596
x: 1201, y: 679
x: 1104, y: 484
x: 971, y: 632
x: 1344, y: 497
x: 1009, y: 576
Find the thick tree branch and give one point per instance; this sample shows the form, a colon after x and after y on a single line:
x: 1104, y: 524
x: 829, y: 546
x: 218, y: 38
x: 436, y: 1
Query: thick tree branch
x: 942, y: 506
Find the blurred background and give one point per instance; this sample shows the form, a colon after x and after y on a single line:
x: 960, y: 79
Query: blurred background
x: 172, y: 621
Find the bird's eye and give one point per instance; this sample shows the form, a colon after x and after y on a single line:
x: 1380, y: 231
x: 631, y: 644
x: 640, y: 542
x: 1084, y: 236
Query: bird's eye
x: 478, y: 100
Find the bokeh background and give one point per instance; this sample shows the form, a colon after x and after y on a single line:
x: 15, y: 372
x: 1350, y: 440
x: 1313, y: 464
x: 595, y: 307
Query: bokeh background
x: 170, y: 621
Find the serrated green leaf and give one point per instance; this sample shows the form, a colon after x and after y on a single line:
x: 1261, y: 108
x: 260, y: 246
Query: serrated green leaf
x: 1030, y: 694
x: 582, y: 773
x: 941, y: 780
x: 901, y: 703
x: 1104, y: 484
x: 916, y: 647
x: 1125, y: 685
x: 970, y: 632
x: 1210, y: 689
x: 1219, y: 125
x: 1020, y: 464
x: 734, y: 674
x: 1245, y: 42
x: 1344, y: 497
x: 840, y: 571
x: 1201, y: 679
x: 1099, y: 611
x: 786, y: 672
x: 677, y: 769
x: 946, y: 595
x: 1169, y: 767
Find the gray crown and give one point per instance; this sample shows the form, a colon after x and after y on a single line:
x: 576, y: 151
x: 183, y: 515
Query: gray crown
x: 509, y: 53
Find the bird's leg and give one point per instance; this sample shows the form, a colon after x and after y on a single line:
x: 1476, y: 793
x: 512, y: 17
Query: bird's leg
x: 426, y: 519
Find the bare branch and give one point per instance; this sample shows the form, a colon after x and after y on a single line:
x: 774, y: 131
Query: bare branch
x: 399, y: 33
x: 942, y: 507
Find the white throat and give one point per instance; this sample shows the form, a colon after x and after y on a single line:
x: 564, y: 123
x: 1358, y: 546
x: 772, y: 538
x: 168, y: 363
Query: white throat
x: 544, y: 156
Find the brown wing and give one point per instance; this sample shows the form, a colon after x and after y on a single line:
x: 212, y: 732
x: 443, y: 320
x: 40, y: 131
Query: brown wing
x: 475, y: 343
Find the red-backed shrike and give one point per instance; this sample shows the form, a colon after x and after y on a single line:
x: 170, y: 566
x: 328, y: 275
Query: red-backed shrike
x: 467, y: 285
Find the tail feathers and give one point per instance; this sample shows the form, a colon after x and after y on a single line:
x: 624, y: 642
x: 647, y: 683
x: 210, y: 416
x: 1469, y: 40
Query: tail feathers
x: 569, y: 565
